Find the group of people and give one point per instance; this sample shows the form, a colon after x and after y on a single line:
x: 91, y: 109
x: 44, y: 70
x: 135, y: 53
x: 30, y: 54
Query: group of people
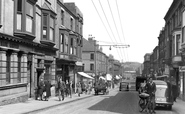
x: 64, y: 89
x: 83, y: 88
x: 44, y: 91
x: 149, y: 87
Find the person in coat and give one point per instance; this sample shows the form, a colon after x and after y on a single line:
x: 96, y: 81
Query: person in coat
x: 62, y: 88
x: 41, y: 88
x: 48, y: 89
x: 79, y: 88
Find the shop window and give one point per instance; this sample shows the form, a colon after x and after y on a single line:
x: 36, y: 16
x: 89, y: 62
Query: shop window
x: 8, y: 67
x: 19, y: 68
x: 24, y: 18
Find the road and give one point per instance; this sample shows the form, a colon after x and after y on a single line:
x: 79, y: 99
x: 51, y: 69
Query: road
x: 115, y: 103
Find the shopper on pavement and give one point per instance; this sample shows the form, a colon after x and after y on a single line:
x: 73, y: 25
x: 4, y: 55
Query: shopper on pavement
x: 48, y: 89
x: 62, y: 87
x: 41, y: 88
x: 79, y: 88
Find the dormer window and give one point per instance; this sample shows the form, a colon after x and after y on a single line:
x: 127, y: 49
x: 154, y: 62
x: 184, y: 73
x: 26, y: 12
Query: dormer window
x: 24, y: 18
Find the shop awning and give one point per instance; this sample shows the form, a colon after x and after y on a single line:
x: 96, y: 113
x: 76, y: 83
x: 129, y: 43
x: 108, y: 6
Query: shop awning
x: 108, y: 77
x: 85, y: 75
x: 102, y: 77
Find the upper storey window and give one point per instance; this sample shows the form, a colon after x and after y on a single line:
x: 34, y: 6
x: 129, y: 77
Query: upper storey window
x: 48, y: 25
x: 24, y: 18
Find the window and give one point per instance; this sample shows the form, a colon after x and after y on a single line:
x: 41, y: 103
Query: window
x: 24, y: 18
x: 92, y: 56
x: 48, y: 24
x: 71, y: 24
x: 75, y: 46
x: 91, y: 67
x: 66, y: 44
x: 8, y: 59
x: 29, y: 17
x: 62, y: 17
x: 177, y: 44
x: 62, y: 43
x: 183, y: 34
x: 19, y: 68
x: 71, y: 46
x: 48, y: 28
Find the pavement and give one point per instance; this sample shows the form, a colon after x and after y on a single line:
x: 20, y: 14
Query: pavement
x: 179, y: 106
x: 33, y: 106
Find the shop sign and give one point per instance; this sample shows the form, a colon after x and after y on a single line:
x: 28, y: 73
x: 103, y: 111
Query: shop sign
x: 49, y: 58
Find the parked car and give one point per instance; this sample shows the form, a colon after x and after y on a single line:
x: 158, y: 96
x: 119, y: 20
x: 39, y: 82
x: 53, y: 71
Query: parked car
x: 163, y: 95
x: 124, y: 86
x: 127, y: 85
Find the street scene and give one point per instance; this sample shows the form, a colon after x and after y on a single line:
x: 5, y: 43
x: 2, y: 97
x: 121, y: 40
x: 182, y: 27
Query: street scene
x: 92, y: 57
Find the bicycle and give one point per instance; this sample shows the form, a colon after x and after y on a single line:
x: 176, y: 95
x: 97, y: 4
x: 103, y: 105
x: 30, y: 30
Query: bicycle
x: 143, y: 102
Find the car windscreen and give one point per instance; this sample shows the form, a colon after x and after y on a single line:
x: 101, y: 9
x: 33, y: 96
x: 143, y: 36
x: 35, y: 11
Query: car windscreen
x: 161, y: 91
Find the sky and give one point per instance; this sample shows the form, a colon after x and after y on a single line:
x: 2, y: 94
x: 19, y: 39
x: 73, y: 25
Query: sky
x: 124, y: 22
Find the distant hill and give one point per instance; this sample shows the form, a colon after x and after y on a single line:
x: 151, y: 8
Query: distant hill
x: 131, y: 66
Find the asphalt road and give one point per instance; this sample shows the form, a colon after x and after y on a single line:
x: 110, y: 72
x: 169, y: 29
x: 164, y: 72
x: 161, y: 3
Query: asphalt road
x: 115, y: 103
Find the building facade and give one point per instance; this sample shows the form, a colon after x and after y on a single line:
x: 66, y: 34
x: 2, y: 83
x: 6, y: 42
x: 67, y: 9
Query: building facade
x: 38, y: 39
x: 146, y: 65
x: 27, y: 46
x: 95, y: 62
x: 69, y: 33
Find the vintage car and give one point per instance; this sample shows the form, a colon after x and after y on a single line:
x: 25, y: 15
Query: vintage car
x: 124, y: 86
x: 127, y: 85
x: 163, y: 95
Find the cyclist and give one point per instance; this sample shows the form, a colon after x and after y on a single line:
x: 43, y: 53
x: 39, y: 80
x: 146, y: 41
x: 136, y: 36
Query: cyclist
x: 151, y: 89
x: 143, y: 97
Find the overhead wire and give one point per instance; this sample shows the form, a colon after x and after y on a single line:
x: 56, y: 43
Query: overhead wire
x: 122, y: 28
x: 102, y: 22
x: 115, y: 25
x: 109, y: 25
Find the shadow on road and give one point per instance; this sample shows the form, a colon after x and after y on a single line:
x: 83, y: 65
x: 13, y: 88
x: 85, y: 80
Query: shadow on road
x: 123, y: 102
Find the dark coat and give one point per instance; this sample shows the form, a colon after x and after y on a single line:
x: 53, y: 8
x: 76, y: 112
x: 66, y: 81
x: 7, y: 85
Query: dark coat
x: 48, y: 88
x: 151, y: 88
x: 41, y: 87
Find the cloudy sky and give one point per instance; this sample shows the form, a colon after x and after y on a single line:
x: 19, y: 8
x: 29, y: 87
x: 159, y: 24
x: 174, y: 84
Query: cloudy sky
x: 124, y: 22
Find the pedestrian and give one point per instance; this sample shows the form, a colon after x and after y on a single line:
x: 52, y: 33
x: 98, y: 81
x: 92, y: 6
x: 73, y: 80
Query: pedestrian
x: 48, y: 89
x: 79, y: 88
x: 62, y: 87
x: 67, y: 88
x: 151, y: 89
x: 70, y: 88
x: 41, y: 88
x: 89, y: 87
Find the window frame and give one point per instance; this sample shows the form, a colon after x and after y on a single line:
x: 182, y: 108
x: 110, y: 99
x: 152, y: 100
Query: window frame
x: 23, y: 13
x: 48, y: 15
x: 62, y: 17
x: 91, y: 67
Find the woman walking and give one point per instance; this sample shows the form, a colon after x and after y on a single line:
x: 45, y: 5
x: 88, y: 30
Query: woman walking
x: 79, y: 88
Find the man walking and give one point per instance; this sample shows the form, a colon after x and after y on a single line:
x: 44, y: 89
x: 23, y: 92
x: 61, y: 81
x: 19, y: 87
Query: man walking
x: 151, y: 89
x: 62, y: 87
